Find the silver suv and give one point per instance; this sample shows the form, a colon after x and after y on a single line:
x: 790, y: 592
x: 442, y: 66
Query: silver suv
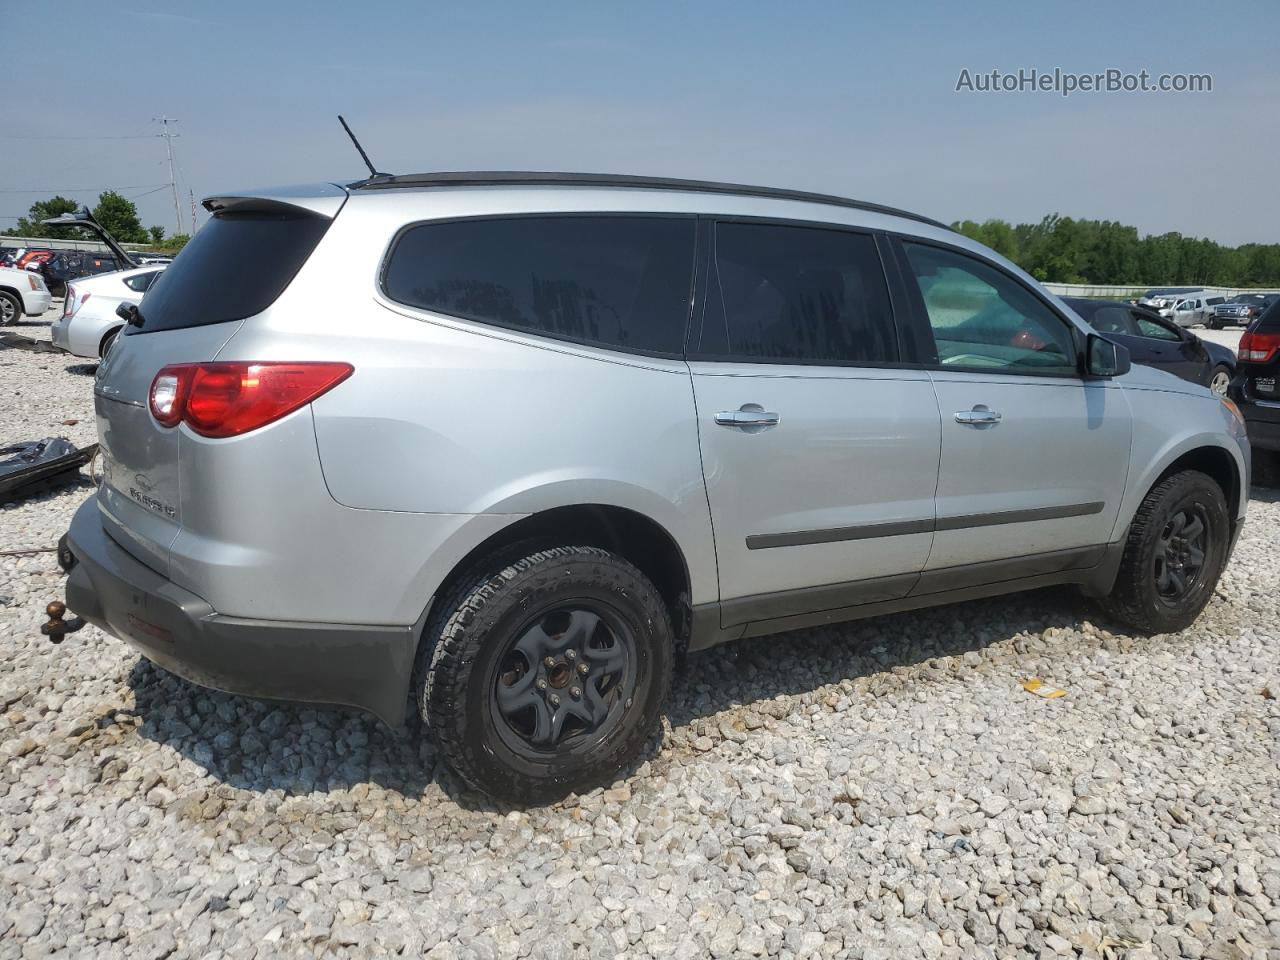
x: 501, y: 448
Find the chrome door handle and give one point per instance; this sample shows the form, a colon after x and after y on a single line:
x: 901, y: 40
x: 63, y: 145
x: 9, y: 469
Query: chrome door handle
x: 747, y: 417
x: 977, y: 416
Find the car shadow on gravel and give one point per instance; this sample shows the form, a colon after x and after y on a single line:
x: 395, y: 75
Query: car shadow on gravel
x: 1264, y: 494
x: 242, y: 742
x: 83, y: 369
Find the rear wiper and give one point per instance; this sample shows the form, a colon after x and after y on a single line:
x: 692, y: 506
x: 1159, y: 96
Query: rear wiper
x: 130, y: 314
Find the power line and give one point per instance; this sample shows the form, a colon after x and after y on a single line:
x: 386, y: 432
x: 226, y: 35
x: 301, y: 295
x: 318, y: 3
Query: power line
x: 140, y: 136
x: 138, y: 196
x: 136, y: 186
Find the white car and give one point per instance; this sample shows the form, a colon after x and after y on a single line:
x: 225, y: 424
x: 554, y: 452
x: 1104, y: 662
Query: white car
x: 89, y: 323
x: 21, y: 292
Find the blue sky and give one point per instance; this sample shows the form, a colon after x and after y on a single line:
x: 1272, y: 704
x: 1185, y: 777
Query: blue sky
x: 838, y: 97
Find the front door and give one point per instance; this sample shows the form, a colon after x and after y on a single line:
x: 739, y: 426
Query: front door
x: 820, y: 455
x: 1034, y: 458
x: 1177, y: 351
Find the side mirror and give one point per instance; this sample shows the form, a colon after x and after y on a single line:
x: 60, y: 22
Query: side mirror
x: 128, y: 312
x: 1106, y: 359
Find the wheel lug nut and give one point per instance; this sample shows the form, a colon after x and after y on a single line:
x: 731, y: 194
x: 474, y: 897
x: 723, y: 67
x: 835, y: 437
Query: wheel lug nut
x: 555, y: 699
x: 583, y: 668
x: 575, y: 692
x: 571, y: 654
x: 549, y: 662
x: 541, y: 684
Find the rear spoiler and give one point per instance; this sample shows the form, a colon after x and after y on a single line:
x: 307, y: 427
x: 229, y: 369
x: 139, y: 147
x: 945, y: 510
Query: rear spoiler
x: 83, y: 218
x: 316, y: 199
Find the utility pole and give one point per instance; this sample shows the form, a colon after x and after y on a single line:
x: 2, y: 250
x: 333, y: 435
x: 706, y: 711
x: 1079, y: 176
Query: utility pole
x: 173, y: 182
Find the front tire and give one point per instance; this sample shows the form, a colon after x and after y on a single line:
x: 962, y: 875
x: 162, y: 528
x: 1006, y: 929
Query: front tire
x: 10, y: 308
x: 1174, y: 554
x: 549, y: 671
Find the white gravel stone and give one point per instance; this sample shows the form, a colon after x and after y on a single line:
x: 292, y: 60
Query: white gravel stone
x: 878, y: 789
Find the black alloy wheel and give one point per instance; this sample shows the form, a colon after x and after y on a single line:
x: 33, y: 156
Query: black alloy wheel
x: 568, y: 675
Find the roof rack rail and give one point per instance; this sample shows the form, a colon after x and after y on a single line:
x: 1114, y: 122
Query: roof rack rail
x: 492, y: 178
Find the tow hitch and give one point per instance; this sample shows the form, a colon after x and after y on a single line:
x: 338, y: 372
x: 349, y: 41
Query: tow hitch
x: 57, y: 628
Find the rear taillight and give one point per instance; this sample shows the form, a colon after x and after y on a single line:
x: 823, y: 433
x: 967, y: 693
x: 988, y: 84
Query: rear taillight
x: 31, y: 279
x: 228, y: 399
x: 1258, y: 347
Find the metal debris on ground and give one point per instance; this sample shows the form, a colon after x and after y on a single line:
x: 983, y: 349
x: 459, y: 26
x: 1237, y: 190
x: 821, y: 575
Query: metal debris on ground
x: 25, y: 464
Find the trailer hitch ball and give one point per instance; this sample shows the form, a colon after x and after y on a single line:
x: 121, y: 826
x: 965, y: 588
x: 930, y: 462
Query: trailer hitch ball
x: 57, y: 628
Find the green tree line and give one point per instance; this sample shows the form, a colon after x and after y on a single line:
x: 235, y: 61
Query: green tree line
x: 117, y: 214
x: 1063, y: 250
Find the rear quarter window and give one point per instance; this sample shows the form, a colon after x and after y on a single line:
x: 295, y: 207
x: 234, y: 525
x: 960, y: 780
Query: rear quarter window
x: 235, y: 266
x: 142, y: 281
x: 621, y: 282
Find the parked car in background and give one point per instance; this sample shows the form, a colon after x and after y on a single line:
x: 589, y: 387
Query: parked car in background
x: 143, y: 259
x: 1241, y: 310
x: 89, y: 323
x: 1256, y: 388
x: 1157, y: 342
x: 1163, y: 298
x: 32, y: 257
x: 1192, y: 311
x: 22, y: 293
x: 517, y: 442
x: 1185, y: 306
x: 67, y: 265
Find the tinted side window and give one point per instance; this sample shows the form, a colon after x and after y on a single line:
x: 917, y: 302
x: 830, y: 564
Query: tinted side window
x: 797, y: 294
x: 1113, y: 320
x: 984, y: 319
x: 621, y: 282
x: 1150, y: 328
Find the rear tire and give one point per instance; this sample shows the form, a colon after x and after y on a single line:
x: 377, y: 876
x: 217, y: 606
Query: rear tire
x: 107, y: 342
x: 549, y: 671
x: 1174, y: 554
x: 10, y: 308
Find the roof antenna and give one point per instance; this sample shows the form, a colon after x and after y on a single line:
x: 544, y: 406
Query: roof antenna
x: 363, y: 156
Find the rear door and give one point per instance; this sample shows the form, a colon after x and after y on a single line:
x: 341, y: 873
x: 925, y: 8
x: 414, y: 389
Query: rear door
x: 234, y: 267
x: 820, y: 449
x: 1034, y: 459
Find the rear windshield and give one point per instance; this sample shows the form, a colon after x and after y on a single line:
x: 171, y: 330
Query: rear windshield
x: 235, y: 266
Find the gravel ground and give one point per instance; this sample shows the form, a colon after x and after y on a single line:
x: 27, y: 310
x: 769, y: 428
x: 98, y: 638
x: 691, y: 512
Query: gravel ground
x: 884, y: 789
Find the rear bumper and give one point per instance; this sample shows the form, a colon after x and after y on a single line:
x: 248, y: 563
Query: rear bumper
x: 59, y: 333
x: 366, y: 667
